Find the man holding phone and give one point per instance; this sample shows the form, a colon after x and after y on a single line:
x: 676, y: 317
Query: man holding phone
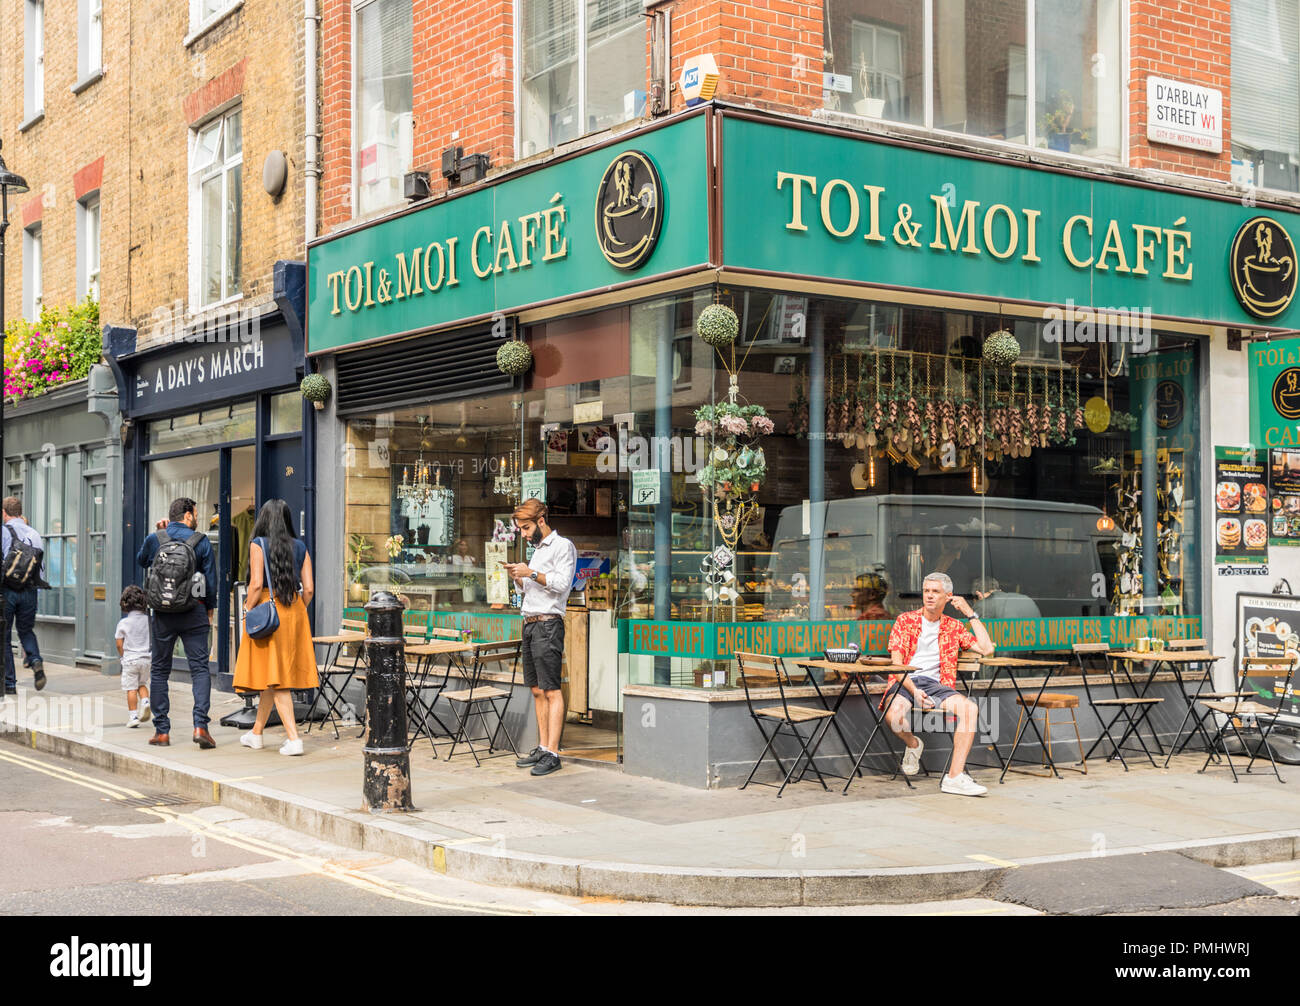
x: 930, y: 641
x: 546, y: 581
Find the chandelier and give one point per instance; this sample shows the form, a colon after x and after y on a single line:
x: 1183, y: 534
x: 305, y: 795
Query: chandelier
x: 507, y: 482
x: 421, y: 491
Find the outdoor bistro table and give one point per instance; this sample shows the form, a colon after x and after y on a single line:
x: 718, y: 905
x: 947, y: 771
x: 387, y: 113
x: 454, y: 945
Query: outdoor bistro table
x: 1011, y: 665
x: 427, y: 654
x: 1172, y: 660
x: 333, y: 649
x: 854, y: 674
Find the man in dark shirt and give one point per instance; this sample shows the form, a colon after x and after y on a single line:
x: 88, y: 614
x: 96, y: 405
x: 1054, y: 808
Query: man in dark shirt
x: 190, y: 626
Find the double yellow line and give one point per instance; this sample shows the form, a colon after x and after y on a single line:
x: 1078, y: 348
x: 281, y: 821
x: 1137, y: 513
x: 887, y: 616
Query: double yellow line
x: 316, y: 865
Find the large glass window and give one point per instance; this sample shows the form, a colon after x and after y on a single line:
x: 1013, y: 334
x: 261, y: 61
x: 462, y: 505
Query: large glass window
x: 54, y: 511
x: 383, y: 120
x: 1266, y: 93
x: 216, y: 194
x: 579, y: 74
x: 90, y: 37
x: 199, y: 429
x: 986, y: 74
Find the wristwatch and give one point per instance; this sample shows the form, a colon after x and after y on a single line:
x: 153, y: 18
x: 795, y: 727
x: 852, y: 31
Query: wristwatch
x: 974, y: 618
x: 533, y: 576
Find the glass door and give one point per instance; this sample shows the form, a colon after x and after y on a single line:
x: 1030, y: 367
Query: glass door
x: 94, y: 599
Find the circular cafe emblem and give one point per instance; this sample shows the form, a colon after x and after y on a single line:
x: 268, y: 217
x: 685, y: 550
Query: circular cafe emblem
x: 1286, y: 393
x: 629, y: 210
x: 1263, y: 267
x: 1170, y: 403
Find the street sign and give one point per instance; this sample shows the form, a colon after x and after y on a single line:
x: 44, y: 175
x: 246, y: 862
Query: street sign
x: 533, y: 485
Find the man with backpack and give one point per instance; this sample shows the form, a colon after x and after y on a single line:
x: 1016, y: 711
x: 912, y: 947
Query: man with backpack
x: 23, y: 553
x: 181, y: 588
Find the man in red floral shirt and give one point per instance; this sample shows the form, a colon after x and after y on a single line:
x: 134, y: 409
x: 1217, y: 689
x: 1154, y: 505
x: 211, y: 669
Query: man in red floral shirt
x: 930, y: 641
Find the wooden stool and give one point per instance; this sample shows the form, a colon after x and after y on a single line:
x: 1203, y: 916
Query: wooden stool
x: 1047, y: 702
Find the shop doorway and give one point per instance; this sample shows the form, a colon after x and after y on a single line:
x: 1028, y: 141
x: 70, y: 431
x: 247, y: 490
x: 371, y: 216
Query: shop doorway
x: 94, y: 597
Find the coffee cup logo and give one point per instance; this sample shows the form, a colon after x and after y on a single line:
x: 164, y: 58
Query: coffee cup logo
x: 1286, y: 393
x: 1170, y: 404
x: 629, y: 210
x: 1263, y: 264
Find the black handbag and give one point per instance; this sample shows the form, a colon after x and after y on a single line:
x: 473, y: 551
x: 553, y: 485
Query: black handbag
x: 263, y: 620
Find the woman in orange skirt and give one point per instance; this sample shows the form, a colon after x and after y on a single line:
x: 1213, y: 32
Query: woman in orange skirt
x: 285, y: 660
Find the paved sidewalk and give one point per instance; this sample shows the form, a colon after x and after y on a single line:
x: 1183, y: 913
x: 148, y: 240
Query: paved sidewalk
x: 593, y: 831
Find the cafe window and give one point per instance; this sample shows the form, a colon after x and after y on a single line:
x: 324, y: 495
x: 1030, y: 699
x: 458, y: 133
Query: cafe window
x: 1266, y: 94
x: 54, y: 509
x: 383, y: 120
x: 582, y: 69
x: 216, y: 209
x: 1057, y: 86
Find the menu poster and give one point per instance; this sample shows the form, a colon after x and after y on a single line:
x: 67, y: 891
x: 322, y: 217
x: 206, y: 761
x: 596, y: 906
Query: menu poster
x: 498, y: 583
x: 1284, y: 488
x: 1268, y: 625
x: 1241, y: 508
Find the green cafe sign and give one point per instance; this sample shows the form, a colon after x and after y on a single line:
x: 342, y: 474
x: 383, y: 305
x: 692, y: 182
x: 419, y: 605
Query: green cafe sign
x: 827, y: 205
x: 1275, y: 393
x: 723, y: 640
x: 535, y: 237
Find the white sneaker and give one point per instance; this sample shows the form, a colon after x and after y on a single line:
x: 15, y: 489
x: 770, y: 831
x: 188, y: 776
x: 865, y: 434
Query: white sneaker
x: 144, y: 711
x: 912, y: 758
x: 291, y: 747
x: 252, y: 740
x: 963, y: 785
x: 133, y: 721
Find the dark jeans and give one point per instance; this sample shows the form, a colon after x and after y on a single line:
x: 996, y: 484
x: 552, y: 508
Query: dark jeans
x: 20, y: 610
x: 192, y: 629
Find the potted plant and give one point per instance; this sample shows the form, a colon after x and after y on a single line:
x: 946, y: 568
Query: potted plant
x: 1055, y: 124
x: 468, y: 587
x: 872, y: 108
x: 358, y: 549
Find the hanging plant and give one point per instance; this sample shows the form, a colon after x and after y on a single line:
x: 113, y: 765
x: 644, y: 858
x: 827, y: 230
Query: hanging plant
x: 718, y: 325
x: 316, y: 389
x: 514, y: 358
x: 1001, y: 349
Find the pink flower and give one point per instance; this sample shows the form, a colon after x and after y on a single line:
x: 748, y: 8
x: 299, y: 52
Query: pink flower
x: 761, y: 424
x: 734, y: 425
x: 703, y: 428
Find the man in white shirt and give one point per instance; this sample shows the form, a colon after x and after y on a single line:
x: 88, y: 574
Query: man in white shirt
x: 545, y: 581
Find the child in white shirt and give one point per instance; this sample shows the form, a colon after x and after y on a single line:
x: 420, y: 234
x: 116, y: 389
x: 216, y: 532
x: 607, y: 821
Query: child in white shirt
x: 135, y: 647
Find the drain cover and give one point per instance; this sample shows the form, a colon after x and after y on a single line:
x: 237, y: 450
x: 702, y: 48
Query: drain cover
x: 165, y: 800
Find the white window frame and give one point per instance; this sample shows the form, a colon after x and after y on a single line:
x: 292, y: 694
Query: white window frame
x: 519, y: 79
x: 90, y: 39
x: 89, y: 221
x: 33, y: 272
x: 196, y: 179
x: 201, y: 22
x: 357, y: 7
x: 928, y: 69
x: 34, y: 59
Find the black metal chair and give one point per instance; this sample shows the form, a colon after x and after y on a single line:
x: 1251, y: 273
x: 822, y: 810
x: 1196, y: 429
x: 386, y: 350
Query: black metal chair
x: 1094, y: 660
x: 333, y: 680
x: 1239, y: 708
x: 423, y: 688
x: 483, y: 699
x: 759, y: 671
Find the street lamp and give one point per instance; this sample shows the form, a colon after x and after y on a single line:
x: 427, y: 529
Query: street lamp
x: 17, y: 184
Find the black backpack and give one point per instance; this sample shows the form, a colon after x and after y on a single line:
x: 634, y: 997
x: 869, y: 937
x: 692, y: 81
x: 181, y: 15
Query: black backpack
x: 173, y: 582
x: 22, y: 564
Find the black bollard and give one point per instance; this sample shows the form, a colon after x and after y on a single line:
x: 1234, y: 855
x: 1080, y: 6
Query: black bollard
x: 387, y: 782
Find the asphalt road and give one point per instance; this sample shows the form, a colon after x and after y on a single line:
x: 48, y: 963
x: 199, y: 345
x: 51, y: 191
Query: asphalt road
x: 79, y: 841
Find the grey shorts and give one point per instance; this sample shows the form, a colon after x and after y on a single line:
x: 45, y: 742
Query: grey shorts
x: 931, y: 687
x: 543, y: 653
x: 135, y: 674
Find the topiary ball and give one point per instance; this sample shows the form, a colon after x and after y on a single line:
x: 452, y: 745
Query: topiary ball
x: 718, y: 325
x: 1001, y: 349
x: 315, y: 388
x: 514, y: 358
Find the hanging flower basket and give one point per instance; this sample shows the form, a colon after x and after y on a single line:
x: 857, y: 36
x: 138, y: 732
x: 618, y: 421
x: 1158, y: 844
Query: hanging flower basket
x: 735, y: 464
x: 1001, y: 349
x: 514, y: 358
x: 718, y: 325
x: 316, y: 389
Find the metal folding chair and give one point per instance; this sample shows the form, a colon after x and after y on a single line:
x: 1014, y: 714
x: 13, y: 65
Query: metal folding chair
x: 761, y: 671
x: 1186, y: 644
x: 482, y: 699
x: 1087, y: 655
x: 329, y: 691
x: 1264, y: 716
x: 423, y: 689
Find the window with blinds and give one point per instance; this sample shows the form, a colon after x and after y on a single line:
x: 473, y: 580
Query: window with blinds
x: 1266, y: 92
x: 578, y: 74
x: 383, y: 121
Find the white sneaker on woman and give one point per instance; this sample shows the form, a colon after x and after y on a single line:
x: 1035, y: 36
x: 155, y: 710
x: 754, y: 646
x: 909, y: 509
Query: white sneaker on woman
x: 912, y: 758
x: 962, y: 785
x: 252, y: 740
x: 291, y: 747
